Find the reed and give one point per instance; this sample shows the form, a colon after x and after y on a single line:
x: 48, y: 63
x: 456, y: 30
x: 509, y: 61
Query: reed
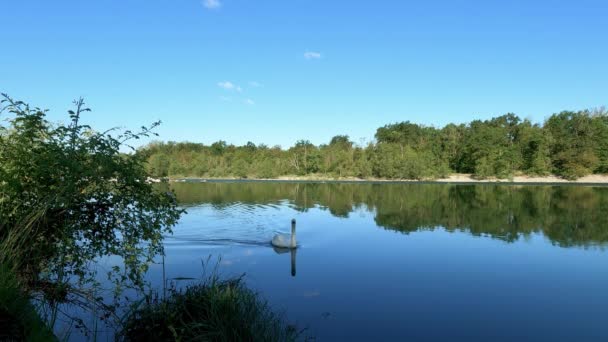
x: 19, y: 320
x: 213, y: 310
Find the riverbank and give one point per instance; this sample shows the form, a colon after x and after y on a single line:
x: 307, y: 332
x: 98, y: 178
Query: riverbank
x: 454, y: 178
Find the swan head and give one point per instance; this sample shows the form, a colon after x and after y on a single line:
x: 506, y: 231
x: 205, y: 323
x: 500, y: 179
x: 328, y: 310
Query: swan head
x: 293, y: 233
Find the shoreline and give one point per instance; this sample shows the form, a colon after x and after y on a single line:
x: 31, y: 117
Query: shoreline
x: 591, y: 180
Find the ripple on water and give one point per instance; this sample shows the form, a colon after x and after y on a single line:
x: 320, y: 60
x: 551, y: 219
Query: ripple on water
x: 230, y: 224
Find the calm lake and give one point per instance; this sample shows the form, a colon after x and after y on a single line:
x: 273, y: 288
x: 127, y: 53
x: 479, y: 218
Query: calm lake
x: 398, y: 261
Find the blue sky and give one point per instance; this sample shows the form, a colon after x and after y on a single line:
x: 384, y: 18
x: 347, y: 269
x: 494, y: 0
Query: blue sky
x: 278, y: 71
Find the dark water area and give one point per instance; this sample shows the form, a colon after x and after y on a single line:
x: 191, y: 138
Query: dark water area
x: 408, y: 261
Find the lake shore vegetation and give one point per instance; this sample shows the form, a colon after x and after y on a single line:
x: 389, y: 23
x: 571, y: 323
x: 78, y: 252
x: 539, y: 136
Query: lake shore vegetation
x: 569, y: 145
x: 213, y: 310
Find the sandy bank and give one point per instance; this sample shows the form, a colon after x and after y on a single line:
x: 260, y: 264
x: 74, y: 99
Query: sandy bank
x: 454, y: 178
x: 466, y: 178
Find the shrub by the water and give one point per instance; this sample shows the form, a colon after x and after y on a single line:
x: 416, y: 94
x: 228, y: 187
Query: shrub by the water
x: 215, y: 310
x: 69, y: 195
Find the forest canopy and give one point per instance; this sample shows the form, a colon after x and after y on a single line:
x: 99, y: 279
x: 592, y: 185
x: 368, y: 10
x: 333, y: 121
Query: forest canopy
x: 568, y: 144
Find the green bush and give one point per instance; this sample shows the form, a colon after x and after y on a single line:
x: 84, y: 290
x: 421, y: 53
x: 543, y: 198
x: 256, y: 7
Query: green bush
x: 68, y: 195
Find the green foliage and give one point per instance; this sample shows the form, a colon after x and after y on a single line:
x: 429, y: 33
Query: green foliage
x: 267, y: 169
x: 240, y: 168
x: 69, y: 196
x: 304, y: 158
x: 341, y: 142
x: 600, y: 126
x: 158, y: 165
x: 576, y: 141
x: 362, y: 162
x: 451, y: 141
x: 216, y: 310
x: 397, y: 162
x: 569, y: 144
x: 406, y: 133
x: 535, y: 144
x: 491, y: 148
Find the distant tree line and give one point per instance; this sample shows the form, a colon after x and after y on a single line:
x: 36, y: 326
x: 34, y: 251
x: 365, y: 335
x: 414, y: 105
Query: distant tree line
x: 568, y: 144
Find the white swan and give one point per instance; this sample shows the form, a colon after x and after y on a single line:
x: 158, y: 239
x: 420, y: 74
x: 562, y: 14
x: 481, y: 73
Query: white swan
x: 284, y: 240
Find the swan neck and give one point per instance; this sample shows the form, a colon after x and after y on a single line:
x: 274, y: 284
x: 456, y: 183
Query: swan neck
x: 293, y: 233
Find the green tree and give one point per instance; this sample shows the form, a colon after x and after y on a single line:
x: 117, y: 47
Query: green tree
x: 339, y: 156
x: 535, y: 144
x: 304, y: 157
x: 573, y: 151
x: 341, y: 141
x: 491, y: 147
x: 158, y: 165
x: 219, y: 147
x: 240, y: 168
x: 452, y: 140
x: 570, y: 145
x: 600, y: 127
x: 362, y: 162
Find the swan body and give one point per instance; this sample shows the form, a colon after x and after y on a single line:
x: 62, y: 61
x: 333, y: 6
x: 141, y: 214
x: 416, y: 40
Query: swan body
x: 286, y: 240
x: 282, y: 241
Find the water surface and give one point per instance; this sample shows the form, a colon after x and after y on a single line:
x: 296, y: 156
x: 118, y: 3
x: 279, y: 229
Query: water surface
x: 397, y: 261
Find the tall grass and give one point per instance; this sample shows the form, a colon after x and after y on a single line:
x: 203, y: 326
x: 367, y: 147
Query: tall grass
x: 20, y: 247
x: 18, y: 317
x: 214, y: 310
x: 19, y: 259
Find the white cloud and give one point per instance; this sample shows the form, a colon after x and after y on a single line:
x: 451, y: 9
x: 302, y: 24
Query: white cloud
x: 312, y: 55
x: 255, y: 84
x: 249, y: 102
x: 226, y: 85
x: 229, y: 86
x: 212, y: 4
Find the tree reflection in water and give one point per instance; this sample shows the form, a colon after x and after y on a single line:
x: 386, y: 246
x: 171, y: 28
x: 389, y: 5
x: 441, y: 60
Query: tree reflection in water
x: 566, y: 215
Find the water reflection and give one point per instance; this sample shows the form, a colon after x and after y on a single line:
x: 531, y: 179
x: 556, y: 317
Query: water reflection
x: 566, y: 215
x: 292, y: 252
x: 364, y: 274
